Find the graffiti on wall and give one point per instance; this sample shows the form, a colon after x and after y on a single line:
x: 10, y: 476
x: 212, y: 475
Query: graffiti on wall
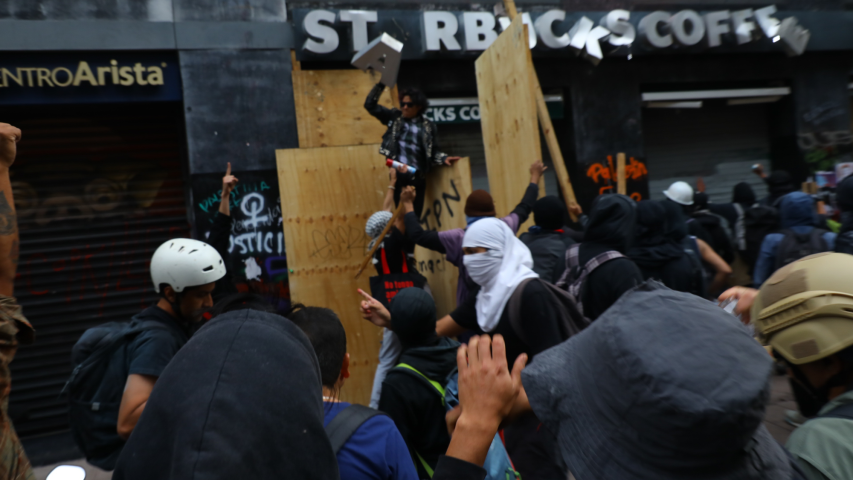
x: 823, y: 149
x: 603, y: 174
x: 111, y: 216
x: 255, y: 246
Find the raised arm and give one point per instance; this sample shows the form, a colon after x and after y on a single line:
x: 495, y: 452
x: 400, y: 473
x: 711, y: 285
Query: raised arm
x: 372, y: 106
x: 523, y: 209
x: 425, y: 238
x: 9, y: 138
x: 220, y: 231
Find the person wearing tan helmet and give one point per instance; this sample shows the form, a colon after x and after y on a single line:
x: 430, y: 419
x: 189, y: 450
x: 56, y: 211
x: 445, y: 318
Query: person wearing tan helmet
x: 804, y: 311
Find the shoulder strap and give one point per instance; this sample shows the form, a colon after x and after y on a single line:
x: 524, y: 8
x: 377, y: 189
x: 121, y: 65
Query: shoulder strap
x: 844, y: 411
x: 341, y: 428
x: 596, y: 261
x: 513, y: 307
x: 404, y: 367
x: 571, y: 265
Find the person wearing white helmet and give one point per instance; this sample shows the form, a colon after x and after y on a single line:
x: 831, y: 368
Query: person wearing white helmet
x: 184, y: 272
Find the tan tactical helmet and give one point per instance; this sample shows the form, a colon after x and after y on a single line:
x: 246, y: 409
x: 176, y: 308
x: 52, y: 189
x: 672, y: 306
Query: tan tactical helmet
x: 805, y: 309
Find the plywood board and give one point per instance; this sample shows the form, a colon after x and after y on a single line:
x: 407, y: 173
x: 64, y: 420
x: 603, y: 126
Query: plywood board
x: 327, y: 195
x: 330, y: 108
x: 447, y: 190
x: 508, y: 117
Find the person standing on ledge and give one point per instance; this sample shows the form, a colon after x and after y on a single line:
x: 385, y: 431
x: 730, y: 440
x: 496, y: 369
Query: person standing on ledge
x: 410, y: 140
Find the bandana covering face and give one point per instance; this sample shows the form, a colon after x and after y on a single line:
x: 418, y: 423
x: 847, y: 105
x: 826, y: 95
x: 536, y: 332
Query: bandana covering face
x: 498, y: 271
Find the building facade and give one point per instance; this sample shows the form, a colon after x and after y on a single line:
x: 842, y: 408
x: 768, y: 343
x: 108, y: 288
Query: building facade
x: 131, y: 109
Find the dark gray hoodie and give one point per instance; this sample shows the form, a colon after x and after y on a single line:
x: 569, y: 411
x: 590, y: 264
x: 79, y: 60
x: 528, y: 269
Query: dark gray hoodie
x: 242, y: 399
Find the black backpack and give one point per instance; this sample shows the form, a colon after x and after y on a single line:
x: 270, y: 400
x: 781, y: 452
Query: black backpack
x: 549, y: 253
x: 341, y: 428
x: 758, y: 221
x: 93, y: 398
x: 571, y: 319
x: 795, y: 246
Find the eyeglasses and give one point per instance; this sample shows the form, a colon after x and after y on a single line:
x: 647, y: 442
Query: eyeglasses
x: 408, y: 104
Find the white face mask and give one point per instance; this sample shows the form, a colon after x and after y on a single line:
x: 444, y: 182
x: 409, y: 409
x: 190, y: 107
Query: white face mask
x: 483, y: 267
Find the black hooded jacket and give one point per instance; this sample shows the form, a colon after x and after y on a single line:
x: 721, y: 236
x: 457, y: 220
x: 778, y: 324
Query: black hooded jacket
x: 610, y: 227
x: 658, y: 256
x: 242, y: 399
x: 410, y: 400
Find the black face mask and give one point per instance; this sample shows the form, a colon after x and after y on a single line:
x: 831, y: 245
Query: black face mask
x: 810, y: 399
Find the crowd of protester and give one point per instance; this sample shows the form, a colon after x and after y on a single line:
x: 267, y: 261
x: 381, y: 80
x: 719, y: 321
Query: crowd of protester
x: 592, y: 350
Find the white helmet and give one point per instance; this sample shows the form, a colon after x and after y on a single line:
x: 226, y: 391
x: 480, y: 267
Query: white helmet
x: 680, y: 192
x: 184, y: 262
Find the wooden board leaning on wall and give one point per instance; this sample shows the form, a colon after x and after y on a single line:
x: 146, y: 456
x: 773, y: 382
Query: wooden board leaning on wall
x: 327, y: 195
x: 330, y: 108
x: 508, y: 117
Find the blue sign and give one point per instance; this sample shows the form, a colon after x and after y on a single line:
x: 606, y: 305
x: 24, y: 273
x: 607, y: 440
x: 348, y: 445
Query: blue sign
x: 84, y: 77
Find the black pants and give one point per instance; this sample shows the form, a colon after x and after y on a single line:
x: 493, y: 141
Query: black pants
x: 419, y: 182
x: 533, y: 450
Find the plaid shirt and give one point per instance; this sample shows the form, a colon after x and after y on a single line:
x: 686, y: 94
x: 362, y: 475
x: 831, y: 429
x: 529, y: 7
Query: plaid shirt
x: 411, y: 150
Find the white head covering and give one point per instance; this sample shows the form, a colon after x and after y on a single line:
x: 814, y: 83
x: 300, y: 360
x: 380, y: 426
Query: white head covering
x: 498, y: 271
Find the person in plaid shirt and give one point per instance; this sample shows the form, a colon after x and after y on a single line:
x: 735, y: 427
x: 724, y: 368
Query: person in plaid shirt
x: 410, y: 139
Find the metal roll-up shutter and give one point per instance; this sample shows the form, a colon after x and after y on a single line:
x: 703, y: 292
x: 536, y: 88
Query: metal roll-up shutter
x: 97, y: 190
x: 717, y: 142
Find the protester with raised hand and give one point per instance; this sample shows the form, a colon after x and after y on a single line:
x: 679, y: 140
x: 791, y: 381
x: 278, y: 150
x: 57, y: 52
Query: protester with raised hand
x: 411, y: 139
x: 488, y: 392
x: 16, y: 329
x: 478, y: 206
x: 525, y: 310
x: 220, y: 234
x: 413, y: 391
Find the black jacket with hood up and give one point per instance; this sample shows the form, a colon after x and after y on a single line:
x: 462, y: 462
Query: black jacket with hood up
x: 415, y: 405
x: 242, y: 399
x: 610, y: 227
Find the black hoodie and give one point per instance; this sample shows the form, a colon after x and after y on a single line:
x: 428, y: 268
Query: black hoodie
x: 242, y: 399
x: 610, y: 227
x: 658, y: 256
x: 409, y: 399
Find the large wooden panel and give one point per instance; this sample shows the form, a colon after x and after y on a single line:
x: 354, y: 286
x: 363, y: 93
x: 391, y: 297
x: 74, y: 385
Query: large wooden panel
x: 447, y: 190
x: 327, y: 195
x: 330, y: 108
x: 508, y: 117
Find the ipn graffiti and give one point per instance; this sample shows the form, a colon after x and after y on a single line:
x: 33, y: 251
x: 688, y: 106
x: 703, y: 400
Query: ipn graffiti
x: 436, y: 210
x: 599, y: 172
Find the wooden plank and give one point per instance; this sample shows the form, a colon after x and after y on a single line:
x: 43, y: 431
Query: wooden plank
x: 330, y: 108
x: 508, y: 117
x: 327, y: 195
x: 621, y: 187
x: 548, y: 128
x: 447, y: 190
